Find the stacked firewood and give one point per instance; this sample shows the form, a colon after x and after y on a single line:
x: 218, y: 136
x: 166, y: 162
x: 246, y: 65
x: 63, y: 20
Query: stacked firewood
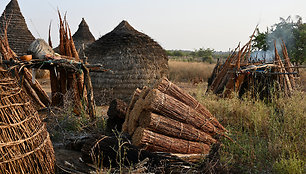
x: 224, y: 78
x: 240, y: 73
x: 165, y: 118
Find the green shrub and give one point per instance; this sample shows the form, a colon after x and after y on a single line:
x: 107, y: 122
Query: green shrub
x: 292, y: 165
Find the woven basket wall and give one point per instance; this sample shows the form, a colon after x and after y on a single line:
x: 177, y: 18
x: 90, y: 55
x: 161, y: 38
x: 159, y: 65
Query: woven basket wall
x: 25, y: 145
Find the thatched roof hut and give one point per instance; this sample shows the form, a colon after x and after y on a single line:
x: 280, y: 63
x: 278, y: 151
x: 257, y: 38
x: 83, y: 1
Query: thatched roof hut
x: 25, y: 145
x: 135, y: 60
x: 82, y: 37
x: 19, y: 36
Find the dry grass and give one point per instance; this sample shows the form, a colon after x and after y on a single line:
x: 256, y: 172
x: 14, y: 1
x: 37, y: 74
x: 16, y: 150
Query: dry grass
x: 189, y: 71
x: 303, y: 79
x: 270, y: 137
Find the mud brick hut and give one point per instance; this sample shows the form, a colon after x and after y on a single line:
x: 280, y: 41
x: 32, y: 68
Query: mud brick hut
x: 135, y: 60
x: 25, y: 145
x: 19, y: 36
x: 82, y: 37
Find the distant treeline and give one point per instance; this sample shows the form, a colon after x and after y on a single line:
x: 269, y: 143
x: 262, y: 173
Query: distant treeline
x: 198, y: 55
x: 291, y: 32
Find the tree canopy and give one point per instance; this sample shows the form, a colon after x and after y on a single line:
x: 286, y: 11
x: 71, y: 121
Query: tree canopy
x: 292, y: 32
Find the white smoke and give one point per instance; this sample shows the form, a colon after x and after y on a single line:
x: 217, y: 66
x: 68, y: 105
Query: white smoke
x: 265, y: 56
x: 281, y: 32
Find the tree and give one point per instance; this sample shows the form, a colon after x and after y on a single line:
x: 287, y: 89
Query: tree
x: 299, y: 51
x: 178, y: 53
x: 205, y: 54
x: 282, y: 31
x: 259, y: 41
x: 287, y: 30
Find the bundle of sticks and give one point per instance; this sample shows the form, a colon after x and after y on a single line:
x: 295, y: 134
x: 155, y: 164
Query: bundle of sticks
x: 239, y: 73
x: 165, y: 118
x: 63, y: 80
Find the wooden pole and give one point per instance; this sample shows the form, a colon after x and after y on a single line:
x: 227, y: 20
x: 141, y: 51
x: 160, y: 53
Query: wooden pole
x: 63, y: 80
x: 76, y: 96
x: 229, y: 87
x: 90, y: 95
x: 288, y: 65
x: 284, y: 77
x: 29, y: 90
x: 216, y: 83
x: 55, y: 88
x: 43, y: 96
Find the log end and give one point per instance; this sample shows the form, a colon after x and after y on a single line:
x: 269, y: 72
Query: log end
x: 134, y: 116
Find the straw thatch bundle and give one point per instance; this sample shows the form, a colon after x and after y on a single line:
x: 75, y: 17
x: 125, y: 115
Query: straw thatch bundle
x: 167, y: 87
x: 19, y: 36
x: 82, y: 37
x: 135, y: 60
x: 173, y: 128
x: 157, y: 142
x: 159, y: 102
x: 129, y: 109
x: 166, y: 118
x: 25, y: 146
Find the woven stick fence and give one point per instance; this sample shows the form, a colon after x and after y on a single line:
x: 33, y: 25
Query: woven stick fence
x: 25, y: 145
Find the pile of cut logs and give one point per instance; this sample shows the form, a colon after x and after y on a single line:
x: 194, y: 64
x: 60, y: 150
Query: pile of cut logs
x: 167, y: 119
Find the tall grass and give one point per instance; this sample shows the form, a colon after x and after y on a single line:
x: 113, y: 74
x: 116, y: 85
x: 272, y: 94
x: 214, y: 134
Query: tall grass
x: 269, y: 137
x: 188, y: 71
x: 303, y: 79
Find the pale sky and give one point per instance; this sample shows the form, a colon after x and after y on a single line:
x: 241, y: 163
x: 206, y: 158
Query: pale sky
x: 175, y: 24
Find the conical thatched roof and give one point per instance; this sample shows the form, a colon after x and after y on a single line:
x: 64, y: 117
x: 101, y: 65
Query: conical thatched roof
x: 82, y: 36
x: 19, y: 36
x: 134, y: 58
